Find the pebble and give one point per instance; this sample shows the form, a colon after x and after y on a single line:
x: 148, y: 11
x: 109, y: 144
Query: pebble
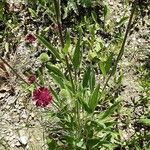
x: 23, y: 140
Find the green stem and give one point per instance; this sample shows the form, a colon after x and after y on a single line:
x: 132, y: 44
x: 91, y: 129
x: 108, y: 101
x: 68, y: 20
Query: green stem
x: 57, y: 9
x: 122, y: 46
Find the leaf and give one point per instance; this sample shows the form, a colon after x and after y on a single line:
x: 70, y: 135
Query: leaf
x: 108, y: 63
x: 102, y: 67
x: 105, y: 10
x: 57, y: 79
x: 93, y: 101
x: 122, y: 21
x: 92, y: 80
x: 110, y: 110
x: 51, y: 144
x: 55, y: 70
x: 91, y: 143
x: 95, y: 143
x: 32, y: 12
x: 86, y: 77
x: 67, y: 44
x: 144, y: 121
x: 77, y: 55
x: 48, y: 45
x: 81, y: 144
x: 94, y: 16
x: 84, y: 105
x: 54, y: 94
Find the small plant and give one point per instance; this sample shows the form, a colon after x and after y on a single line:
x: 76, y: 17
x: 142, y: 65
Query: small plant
x: 75, y: 79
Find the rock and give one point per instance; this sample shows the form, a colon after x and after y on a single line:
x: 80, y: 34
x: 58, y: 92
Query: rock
x: 23, y: 140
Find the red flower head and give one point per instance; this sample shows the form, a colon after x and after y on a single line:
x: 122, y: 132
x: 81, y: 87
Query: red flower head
x: 31, y: 79
x: 42, y: 96
x: 30, y: 38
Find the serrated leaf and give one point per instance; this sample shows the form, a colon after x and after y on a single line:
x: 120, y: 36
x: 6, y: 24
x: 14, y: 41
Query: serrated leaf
x: 93, y: 101
x: 110, y: 110
x: 48, y: 45
x: 77, y: 55
x: 54, y: 69
x: 67, y: 44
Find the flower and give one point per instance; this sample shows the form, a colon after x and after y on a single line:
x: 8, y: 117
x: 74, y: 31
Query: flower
x: 42, y: 97
x: 31, y: 79
x: 30, y: 38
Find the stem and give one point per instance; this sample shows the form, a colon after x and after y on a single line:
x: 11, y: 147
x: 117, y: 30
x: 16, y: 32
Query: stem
x: 122, y: 46
x: 57, y: 9
x: 14, y: 71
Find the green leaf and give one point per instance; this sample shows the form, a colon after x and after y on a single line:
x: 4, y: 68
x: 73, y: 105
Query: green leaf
x: 48, y: 45
x: 122, y: 21
x: 93, y: 101
x: 84, y: 105
x: 51, y: 144
x: 144, y: 121
x: 32, y: 12
x: 102, y: 67
x: 81, y: 144
x: 67, y: 44
x: 57, y: 79
x: 94, y: 16
x: 105, y: 10
x: 110, y: 110
x: 54, y: 94
x: 91, y: 143
x: 55, y: 70
x: 86, y: 77
x: 77, y: 55
x: 108, y: 63
x: 92, y: 80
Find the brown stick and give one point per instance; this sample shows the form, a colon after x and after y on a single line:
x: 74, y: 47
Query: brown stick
x: 14, y: 71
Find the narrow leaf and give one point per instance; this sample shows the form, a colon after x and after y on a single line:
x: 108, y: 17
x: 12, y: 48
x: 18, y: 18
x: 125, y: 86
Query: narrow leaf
x: 84, y: 105
x: 55, y: 70
x: 77, y: 55
x: 93, y: 101
x: 108, y: 63
x: 110, y: 110
x: 48, y: 45
x: 32, y: 12
x: 92, y: 80
x: 86, y: 77
x: 102, y: 67
x: 144, y: 121
x: 58, y: 80
x: 122, y: 21
x: 67, y: 44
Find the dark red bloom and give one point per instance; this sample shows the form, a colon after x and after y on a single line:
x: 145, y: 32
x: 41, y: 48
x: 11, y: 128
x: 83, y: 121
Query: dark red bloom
x: 31, y: 79
x: 30, y: 38
x: 42, y: 96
